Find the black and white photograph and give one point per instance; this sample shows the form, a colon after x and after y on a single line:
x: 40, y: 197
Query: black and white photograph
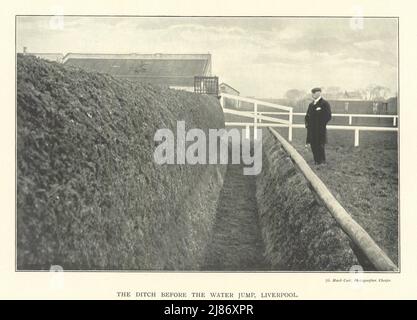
x: 254, y: 144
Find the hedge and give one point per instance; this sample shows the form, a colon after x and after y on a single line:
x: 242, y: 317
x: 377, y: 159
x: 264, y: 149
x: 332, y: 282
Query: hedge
x: 89, y: 195
x: 298, y: 231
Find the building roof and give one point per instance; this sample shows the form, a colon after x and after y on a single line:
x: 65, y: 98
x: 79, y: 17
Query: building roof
x: 51, y: 56
x: 225, y: 84
x: 167, y: 69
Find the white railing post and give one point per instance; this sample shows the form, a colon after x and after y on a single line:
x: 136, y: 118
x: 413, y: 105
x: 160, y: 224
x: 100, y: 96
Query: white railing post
x: 394, y: 121
x: 350, y: 120
x: 290, y: 126
x: 356, y: 137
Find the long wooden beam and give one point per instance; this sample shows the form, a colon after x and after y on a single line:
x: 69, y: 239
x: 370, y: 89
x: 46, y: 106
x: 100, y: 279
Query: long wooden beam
x: 259, y: 102
x: 355, y: 115
x: 359, y: 236
x: 252, y: 116
x: 302, y: 126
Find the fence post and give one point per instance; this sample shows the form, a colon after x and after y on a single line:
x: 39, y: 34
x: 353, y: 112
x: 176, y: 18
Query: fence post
x: 350, y: 120
x: 394, y: 121
x: 290, y: 126
x: 356, y: 137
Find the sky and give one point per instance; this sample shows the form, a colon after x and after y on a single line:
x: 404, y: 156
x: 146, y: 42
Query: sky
x: 259, y: 56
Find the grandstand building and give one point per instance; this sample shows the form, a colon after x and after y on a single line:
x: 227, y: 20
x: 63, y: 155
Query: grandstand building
x: 176, y: 71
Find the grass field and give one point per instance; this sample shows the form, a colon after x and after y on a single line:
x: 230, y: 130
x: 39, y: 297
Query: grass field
x: 364, y: 179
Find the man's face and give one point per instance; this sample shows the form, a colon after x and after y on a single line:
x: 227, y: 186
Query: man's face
x: 316, y: 94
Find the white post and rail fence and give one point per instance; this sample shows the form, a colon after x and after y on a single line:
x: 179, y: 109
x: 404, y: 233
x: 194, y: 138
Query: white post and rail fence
x: 266, y: 119
x: 356, y: 233
x: 258, y: 116
x: 394, y: 117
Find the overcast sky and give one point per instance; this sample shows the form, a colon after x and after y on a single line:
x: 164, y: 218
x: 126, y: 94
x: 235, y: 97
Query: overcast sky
x: 262, y: 57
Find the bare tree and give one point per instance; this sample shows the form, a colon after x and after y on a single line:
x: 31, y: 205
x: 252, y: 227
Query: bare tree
x: 294, y: 95
x: 333, y: 92
x: 375, y: 92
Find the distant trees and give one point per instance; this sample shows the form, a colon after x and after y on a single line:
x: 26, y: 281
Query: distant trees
x: 375, y: 92
x: 333, y: 92
x: 295, y: 94
x: 297, y: 99
x: 372, y: 92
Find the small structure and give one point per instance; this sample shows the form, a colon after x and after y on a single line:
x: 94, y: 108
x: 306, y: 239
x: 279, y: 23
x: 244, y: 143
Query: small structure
x: 206, y: 85
x: 225, y: 88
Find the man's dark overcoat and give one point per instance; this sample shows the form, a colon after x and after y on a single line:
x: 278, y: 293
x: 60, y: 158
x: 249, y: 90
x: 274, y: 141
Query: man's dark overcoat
x: 318, y: 115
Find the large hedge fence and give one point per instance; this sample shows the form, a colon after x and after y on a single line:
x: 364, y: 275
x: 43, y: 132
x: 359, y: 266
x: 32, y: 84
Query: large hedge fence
x: 89, y: 195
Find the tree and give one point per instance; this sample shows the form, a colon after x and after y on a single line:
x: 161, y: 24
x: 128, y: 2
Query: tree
x: 375, y: 92
x: 333, y: 92
x: 295, y: 94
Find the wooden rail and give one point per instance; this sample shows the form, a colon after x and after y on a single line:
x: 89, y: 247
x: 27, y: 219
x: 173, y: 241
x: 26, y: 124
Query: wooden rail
x: 252, y: 100
x: 355, y: 232
x: 255, y: 115
x: 356, y: 129
x: 262, y: 118
x: 394, y: 117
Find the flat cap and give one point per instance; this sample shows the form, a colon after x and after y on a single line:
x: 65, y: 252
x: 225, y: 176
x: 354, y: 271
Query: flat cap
x: 315, y: 90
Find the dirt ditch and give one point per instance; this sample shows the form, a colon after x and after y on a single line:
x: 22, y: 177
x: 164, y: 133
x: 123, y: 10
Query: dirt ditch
x: 236, y: 242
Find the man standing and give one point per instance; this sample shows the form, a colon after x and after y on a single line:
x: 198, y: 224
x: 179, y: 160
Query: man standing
x: 316, y: 119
